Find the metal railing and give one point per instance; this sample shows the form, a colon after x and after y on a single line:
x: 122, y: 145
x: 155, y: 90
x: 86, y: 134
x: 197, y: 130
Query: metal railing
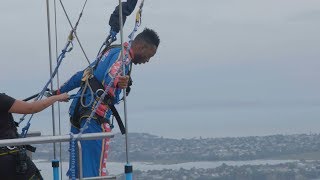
x: 51, y: 139
x: 62, y: 138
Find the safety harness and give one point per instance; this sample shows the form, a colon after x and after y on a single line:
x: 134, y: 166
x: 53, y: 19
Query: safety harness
x: 19, y: 152
x: 82, y: 111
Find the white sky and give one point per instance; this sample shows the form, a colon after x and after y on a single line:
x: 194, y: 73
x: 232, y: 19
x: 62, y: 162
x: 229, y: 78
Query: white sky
x: 214, y: 56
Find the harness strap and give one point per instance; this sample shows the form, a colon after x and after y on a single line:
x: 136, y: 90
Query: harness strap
x: 103, y: 52
x: 81, y: 112
x: 10, y: 150
x: 95, y: 84
x: 118, y: 118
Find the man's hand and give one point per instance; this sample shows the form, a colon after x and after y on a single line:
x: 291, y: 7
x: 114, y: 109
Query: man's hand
x: 123, y: 82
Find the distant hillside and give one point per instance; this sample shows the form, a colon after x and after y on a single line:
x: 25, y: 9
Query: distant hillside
x: 146, y: 147
x: 302, y: 170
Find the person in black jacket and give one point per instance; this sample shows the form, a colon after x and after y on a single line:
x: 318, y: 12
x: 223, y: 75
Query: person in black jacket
x: 14, y: 164
x: 127, y: 8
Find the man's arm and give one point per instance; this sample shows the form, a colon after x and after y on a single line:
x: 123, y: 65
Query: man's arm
x: 73, y: 83
x: 22, y: 107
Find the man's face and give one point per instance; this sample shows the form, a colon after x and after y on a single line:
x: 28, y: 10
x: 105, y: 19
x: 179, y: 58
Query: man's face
x: 144, y: 53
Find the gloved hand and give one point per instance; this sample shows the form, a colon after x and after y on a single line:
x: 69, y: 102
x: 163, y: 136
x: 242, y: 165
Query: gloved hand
x: 113, y: 35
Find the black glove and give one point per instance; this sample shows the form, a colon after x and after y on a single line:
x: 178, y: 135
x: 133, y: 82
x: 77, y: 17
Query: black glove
x: 129, y: 84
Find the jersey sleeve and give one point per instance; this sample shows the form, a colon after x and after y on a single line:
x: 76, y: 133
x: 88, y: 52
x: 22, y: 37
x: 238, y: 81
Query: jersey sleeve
x: 73, y: 83
x: 5, y: 102
x: 113, y: 73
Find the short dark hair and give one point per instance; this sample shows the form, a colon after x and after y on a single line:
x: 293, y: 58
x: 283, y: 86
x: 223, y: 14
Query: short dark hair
x: 149, y: 36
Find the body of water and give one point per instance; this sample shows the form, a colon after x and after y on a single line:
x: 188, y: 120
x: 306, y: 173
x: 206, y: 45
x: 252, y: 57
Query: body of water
x: 116, y: 168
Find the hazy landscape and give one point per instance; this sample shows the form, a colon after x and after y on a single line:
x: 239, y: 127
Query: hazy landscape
x: 294, y: 156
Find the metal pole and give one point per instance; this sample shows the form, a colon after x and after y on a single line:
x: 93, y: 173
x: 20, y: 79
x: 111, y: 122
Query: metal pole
x: 128, y: 167
x: 50, y: 63
x: 55, y: 166
x: 58, y: 82
x: 80, y: 171
x: 124, y: 68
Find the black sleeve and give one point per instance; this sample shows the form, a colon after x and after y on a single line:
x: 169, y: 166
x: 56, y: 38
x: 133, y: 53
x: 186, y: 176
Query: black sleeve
x: 127, y: 8
x: 5, y: 102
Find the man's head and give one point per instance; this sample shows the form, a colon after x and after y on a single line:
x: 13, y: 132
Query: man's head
x: 145, y: 46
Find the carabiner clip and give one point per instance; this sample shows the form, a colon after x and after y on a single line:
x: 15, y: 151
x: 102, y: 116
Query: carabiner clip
x: 98, y: 91
x: 11, y: 147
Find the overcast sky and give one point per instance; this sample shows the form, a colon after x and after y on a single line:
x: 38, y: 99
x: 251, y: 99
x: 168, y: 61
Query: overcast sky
x: 228, y: 68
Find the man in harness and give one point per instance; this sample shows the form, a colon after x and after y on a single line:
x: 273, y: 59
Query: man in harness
x: 14, y: 163
x: 95, y: 79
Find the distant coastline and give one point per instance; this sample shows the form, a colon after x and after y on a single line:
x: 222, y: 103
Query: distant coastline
x: 150, y: 148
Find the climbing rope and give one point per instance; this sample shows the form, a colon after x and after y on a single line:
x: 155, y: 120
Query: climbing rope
x: 87, y: 74
x: 74, y: 29
x: 73, y: 156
